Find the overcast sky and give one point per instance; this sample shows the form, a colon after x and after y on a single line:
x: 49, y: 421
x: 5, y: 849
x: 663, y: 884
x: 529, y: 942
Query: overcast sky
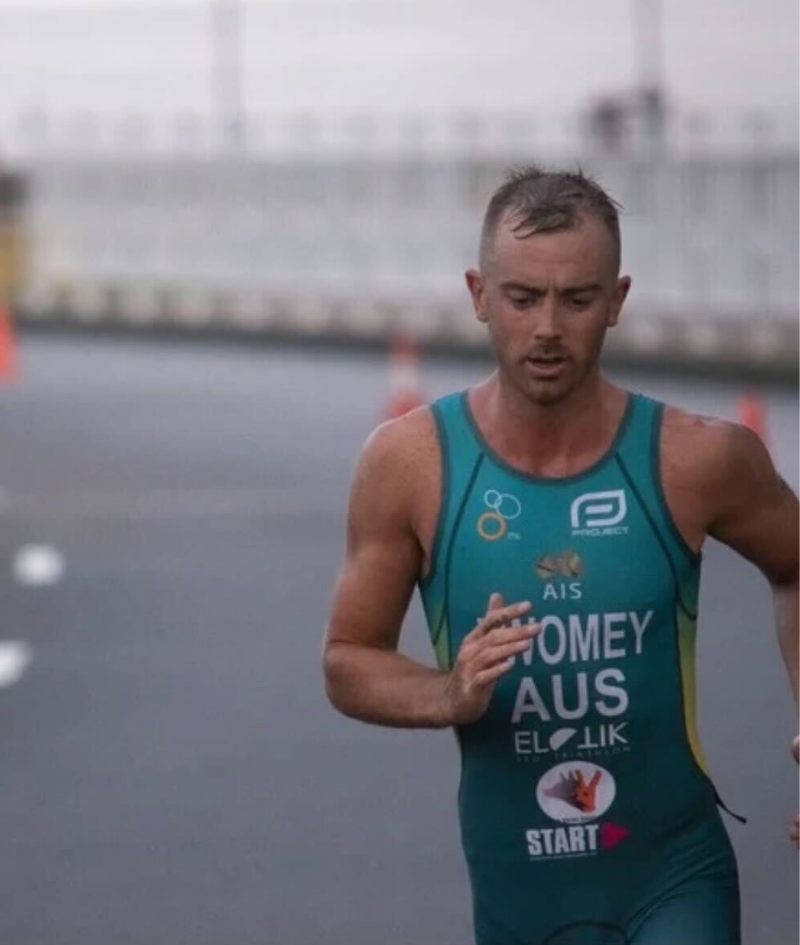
x: 546, y: 55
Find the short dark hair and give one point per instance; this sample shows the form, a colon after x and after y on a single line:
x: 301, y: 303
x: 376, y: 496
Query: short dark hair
x: 546, y: 201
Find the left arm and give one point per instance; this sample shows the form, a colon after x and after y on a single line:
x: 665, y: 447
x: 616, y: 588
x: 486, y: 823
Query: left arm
x: 724, y: 484
x: 752, y: 510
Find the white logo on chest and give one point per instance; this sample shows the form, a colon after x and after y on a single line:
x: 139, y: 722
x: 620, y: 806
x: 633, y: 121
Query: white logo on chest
x: 599, y: 513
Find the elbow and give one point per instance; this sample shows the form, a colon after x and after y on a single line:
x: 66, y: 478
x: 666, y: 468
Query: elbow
x: 335, y: 672
x: 784, y: 580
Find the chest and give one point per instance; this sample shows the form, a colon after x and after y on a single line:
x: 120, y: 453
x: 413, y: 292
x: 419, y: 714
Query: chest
x: 511, y: 514
x: 592, y: 548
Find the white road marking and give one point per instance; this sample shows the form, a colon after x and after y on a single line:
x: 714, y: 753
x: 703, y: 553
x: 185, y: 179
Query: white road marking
x: 38, y: 566
x: 182, y: 503
x: 14, y: 659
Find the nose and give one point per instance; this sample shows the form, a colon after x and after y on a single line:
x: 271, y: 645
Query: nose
x: 548, y: 324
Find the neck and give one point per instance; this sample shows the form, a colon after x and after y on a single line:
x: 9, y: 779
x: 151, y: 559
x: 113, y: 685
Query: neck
x: 556, y: 439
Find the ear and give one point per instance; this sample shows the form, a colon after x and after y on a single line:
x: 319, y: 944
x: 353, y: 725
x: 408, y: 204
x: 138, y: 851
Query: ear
x: 476, y: 288
x: 620, y: 294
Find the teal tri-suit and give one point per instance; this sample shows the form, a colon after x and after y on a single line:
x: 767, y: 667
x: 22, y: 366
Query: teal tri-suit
x: 587, y: 815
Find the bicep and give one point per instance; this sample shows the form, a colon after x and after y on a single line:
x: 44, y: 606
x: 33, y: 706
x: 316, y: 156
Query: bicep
x: 372, y: 594
x: 756, y: 511
x: 382, y: 560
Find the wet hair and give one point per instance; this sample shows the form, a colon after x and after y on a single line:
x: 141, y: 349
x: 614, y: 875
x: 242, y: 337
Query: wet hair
x: 539, y: 201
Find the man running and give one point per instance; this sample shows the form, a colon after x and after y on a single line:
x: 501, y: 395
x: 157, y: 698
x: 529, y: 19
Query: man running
x: 554, y: 523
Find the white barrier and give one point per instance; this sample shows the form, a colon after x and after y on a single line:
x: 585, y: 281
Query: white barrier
x: 766, y: 347
x: 335, y: 246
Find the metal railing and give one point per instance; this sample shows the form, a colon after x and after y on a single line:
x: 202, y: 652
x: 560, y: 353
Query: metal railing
x: 614, y: 126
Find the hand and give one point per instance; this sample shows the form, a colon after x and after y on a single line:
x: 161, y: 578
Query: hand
x: 794, y: 833
x: 485, y: 654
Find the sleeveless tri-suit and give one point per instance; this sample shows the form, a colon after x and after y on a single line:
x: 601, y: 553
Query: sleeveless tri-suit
x: 587, y: 814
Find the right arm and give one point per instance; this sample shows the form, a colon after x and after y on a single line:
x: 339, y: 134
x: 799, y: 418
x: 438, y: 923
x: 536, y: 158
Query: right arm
x: 365, y: 676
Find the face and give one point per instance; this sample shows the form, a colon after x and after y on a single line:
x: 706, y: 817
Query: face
x: 548, y: 300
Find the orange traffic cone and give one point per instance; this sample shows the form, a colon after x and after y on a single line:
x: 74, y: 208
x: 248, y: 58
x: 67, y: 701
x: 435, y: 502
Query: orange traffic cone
x: 8, y: 345
x: 404, y: 382
x: 750, y: 412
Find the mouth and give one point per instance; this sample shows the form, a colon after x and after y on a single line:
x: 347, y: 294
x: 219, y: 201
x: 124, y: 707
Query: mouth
x: 546, y: 365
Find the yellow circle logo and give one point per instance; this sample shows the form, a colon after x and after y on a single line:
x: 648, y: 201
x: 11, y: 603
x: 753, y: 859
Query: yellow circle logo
x: 503, y: 508
x: 491, y: 526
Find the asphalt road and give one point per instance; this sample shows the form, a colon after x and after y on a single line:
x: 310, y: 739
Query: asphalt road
x: 171, y: 772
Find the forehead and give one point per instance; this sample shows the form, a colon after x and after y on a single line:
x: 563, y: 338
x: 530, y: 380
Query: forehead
x: 583, y: 252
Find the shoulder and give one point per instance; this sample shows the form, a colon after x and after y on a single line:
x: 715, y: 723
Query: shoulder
x: 727, y: 470
x: 397, y: 459
x: 398, y: 448
x: 702, y: 435
x: 709, y: 453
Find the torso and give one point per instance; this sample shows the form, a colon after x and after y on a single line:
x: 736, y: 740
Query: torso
x: 587, y: 762
x: 685, y: 502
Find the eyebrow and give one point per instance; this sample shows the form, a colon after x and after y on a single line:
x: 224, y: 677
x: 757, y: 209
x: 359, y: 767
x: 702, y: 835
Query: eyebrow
x: 569, y: 290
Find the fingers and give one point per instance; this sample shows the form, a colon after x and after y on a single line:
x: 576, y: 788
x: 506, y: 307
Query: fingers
x: 796, y: 747
x: 487, y: 677
x: 490, y: 655
x: 492, y: 632
x: 504, y: 615
x: 498, y: 616
x: 479, y: 639
x: 489, y: 651
x: 495, y: 602
x: 503, y: 635
x: 794, y: 833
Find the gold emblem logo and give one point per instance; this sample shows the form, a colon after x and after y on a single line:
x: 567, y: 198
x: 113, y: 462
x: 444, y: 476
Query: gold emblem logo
x: 567, y: 564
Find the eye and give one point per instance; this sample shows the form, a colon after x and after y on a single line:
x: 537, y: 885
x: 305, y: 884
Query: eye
x: 521, y: 301
x: 580, y: 301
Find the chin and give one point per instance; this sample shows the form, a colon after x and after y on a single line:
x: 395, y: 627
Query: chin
x: 544, y: 392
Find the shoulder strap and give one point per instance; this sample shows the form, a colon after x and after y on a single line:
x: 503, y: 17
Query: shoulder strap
x: 461, y: 460
x: 639, y: 456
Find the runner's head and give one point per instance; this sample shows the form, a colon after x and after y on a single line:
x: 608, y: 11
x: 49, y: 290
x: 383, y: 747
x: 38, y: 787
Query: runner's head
x: 548, y: 286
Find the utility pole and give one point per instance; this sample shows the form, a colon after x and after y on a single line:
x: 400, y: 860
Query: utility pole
x: 648, y: 54
x: 647, y: 43
x: 228, y: 72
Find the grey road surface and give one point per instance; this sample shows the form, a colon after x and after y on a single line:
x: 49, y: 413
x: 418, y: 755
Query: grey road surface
x: 171, y: 772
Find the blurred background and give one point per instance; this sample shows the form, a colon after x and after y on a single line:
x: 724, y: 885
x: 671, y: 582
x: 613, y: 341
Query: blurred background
x: 217, y: 218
